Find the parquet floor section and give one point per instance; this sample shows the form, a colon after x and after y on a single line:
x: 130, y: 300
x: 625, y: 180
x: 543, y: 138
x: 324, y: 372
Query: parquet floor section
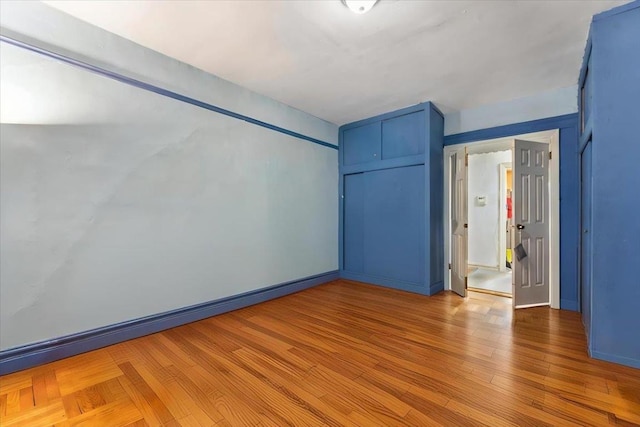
x: 339, y: 354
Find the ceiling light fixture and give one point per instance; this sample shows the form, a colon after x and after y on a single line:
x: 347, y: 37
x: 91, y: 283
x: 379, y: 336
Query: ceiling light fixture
x: 359, y: 6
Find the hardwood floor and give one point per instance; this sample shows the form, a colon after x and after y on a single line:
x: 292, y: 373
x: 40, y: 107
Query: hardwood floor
x: 339, y: 354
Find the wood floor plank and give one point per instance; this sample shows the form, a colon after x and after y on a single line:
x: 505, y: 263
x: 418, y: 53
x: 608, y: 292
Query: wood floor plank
x: 26, y: 399
x: 85, y: 370
x: 189, y: 396
x: 14, y: 382
x: 44, y: 415
x: 13, y: 402
x: 149, y: 397
x: 177, y: 410
x: 40, y: 395
x: 145, y: 409
x: 340, y: 354
x: 3, y: 405
x: 115, y: 414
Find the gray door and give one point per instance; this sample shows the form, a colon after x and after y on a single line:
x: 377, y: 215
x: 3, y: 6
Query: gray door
x: 459, y: 223
x: 531, y: 211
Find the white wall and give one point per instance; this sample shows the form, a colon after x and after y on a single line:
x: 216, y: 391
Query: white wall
x: 539, y: 106
x: 484, y: 180
x: 148, y: 204
x: 49, y: 28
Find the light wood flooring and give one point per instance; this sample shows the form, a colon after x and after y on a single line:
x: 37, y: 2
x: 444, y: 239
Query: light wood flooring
x: 339, y: 354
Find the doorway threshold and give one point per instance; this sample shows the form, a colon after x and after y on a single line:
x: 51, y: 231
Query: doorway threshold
x: 490, y: 292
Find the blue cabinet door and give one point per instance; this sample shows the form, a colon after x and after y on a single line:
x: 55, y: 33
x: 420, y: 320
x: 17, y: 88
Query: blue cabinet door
x: 403, y: 136
x: 353, y: 219
x: 361, y: 144
x: 394, y: 224
x: 585, y: 230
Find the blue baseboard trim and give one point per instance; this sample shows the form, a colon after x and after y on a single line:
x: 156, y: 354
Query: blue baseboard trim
x: 436, y: 287
x: 386, y: 282
x: 567, y: 304
x: 30, y: 355
x: 160, y: 91
x: 627, y: 361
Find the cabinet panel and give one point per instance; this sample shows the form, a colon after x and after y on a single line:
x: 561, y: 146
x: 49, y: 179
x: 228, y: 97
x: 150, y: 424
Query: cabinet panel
x: 586, y: 95
x: 394, y: 224
x: 353, y: 239
x: 361, y: 144
x: 403, y: 136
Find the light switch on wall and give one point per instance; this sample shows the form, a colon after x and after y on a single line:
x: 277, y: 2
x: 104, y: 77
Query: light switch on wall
x: 481, y: 200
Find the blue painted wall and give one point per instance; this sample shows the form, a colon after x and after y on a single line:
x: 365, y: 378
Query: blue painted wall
x: 569, y: 191
x: 569, y: 216
x: 614, y: 126
x: 585, y: 240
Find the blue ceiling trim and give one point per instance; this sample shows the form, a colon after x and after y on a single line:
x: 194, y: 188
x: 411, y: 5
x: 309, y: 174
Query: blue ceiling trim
x: 160, y: 91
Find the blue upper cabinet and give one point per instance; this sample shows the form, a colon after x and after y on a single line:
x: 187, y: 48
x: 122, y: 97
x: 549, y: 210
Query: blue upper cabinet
x: 361, y: 144
x: 391, y: 199
x: 609, y: 92
x: 403, y: 136
x: 388, y: 138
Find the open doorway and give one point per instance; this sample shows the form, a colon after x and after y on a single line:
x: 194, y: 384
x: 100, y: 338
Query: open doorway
x: 489, y: 214
x: 534, y: 223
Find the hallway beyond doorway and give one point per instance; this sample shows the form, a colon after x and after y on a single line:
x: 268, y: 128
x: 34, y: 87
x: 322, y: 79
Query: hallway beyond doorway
x: 492, y: 281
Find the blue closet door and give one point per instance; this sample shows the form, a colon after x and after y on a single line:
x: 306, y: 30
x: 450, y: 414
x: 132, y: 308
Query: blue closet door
x: 353, y: 218
x: 585, y: 255
x: 394, y: 224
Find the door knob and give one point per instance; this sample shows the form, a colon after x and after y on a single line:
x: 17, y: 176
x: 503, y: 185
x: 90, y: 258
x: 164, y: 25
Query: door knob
x: 520, y: 227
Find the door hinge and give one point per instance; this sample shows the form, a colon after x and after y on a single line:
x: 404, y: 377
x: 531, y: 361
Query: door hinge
x: 466, y: 226
x: 466, y: 159
x: 466, y: 282
x: 550, y: 152
x: 449, y: 266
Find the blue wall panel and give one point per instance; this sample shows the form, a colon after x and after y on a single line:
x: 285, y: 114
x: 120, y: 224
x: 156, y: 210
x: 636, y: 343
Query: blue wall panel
x: 394, y: 221
x: 569, y: 218
x: 615, y: 65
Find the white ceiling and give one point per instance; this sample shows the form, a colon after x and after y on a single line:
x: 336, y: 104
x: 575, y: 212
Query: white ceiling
x: 321, y: 58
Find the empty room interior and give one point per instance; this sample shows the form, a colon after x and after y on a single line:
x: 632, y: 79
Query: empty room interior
x: 319, y: 213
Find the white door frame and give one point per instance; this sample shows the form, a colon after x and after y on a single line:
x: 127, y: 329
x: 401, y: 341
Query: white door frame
x: 552, y: 137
